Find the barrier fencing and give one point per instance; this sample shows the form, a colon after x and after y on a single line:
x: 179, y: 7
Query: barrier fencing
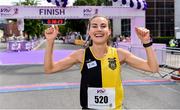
x: 171, y: 58
x: 168, y: 59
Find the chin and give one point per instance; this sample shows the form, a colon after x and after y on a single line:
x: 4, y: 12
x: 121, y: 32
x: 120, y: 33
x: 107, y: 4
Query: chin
x: 100, y: 42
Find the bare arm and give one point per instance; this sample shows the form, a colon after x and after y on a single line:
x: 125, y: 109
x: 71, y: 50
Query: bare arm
x: 49, y: 65
x: 48, y: 58
x: 150, y: 64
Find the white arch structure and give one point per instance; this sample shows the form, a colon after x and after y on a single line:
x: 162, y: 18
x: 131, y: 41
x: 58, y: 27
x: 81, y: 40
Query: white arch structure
x: 84, y: 12
x: 75, y: 12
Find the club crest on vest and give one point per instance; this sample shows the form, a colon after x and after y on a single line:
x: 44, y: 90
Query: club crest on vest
x: 112, y: 63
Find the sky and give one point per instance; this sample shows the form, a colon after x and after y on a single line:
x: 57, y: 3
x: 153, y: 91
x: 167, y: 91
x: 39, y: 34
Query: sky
x: 43, y: 2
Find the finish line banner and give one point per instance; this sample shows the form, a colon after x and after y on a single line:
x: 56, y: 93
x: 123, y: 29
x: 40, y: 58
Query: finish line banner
x: 75, y: 12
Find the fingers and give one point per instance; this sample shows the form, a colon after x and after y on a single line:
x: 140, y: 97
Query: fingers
x: 142, y: 31
x: 52, y: 29
x: 49, y: 30
x: 56, y: 27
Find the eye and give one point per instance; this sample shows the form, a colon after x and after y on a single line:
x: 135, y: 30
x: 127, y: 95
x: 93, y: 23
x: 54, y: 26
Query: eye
x: 93, y: 26
x: 103, y: 26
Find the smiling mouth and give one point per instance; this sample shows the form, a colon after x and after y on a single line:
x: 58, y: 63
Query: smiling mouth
x: 98, y: 35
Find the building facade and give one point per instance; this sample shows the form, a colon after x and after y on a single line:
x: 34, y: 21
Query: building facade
x: 160, y: 18
x: 177, y: 19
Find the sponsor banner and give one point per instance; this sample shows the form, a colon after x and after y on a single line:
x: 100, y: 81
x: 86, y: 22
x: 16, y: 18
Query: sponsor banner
x: 76, y: 12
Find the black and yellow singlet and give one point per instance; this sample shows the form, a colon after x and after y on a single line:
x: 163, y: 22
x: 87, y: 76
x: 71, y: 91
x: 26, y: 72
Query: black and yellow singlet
x: 101, y: 73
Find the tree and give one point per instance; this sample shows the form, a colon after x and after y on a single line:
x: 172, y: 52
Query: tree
x: 78, y: 25
x: 105, y: 2
x: 81, y: 24
x: 32, y: 27
x: 85, y: 3
x: 92, y: 3
x: 28, y: 2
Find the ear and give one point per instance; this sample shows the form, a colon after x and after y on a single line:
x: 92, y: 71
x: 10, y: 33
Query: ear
x: 109, y: 32
x: 87, y: 31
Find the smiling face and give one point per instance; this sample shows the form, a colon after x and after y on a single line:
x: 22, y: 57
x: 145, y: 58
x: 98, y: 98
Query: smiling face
x: 99, y: 30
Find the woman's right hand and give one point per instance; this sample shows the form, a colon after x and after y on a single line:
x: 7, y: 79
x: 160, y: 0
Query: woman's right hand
x: 51, y: 33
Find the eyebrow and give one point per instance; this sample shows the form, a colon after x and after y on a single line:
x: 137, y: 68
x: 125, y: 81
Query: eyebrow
x: 103, y: 24
x: 93, y: 24
x: 100, y: 24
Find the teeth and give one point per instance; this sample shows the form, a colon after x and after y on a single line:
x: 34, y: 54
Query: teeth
x: 98, y: 35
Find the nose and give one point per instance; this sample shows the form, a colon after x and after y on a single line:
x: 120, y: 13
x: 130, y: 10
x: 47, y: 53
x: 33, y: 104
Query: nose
x: 99, y: 28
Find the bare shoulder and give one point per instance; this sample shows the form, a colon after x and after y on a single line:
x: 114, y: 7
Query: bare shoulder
x: 78, y: 55
x: 122, y: 54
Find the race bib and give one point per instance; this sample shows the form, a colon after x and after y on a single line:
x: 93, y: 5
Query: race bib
x: 91, y: 64
x: 101, y: 98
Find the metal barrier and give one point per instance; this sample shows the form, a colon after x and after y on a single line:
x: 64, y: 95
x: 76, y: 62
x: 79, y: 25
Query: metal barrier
x: 166, y: 57
x: 171, y: 58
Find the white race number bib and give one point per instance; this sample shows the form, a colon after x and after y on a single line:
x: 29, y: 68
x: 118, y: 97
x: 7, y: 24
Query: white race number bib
x: 101, y: 98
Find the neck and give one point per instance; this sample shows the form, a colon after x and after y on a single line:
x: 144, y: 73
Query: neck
x: 100, y: 50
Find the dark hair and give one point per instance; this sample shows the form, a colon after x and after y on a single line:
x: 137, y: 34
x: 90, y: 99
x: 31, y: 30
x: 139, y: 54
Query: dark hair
x: 89, y: 22
x: 89, y: 25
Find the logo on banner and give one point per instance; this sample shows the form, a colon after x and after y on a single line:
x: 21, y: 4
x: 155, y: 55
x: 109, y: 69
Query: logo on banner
x: 90, y: 12
x: 8, y: 11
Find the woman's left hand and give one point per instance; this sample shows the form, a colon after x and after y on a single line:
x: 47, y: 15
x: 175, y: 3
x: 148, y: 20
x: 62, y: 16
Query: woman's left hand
x: 143, y: 34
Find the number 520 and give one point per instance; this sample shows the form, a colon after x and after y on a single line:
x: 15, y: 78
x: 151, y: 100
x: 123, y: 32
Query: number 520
x: 101, y: 99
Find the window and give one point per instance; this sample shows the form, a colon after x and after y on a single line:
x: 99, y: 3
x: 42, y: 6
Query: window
x: 169, y: 4
x: 169, y: 12
x: 160, y: 4
x: 160, y: 11
x: 150, y: 12
x: 126, y: 27
x: 160, y: 17
x: 150, y: 20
